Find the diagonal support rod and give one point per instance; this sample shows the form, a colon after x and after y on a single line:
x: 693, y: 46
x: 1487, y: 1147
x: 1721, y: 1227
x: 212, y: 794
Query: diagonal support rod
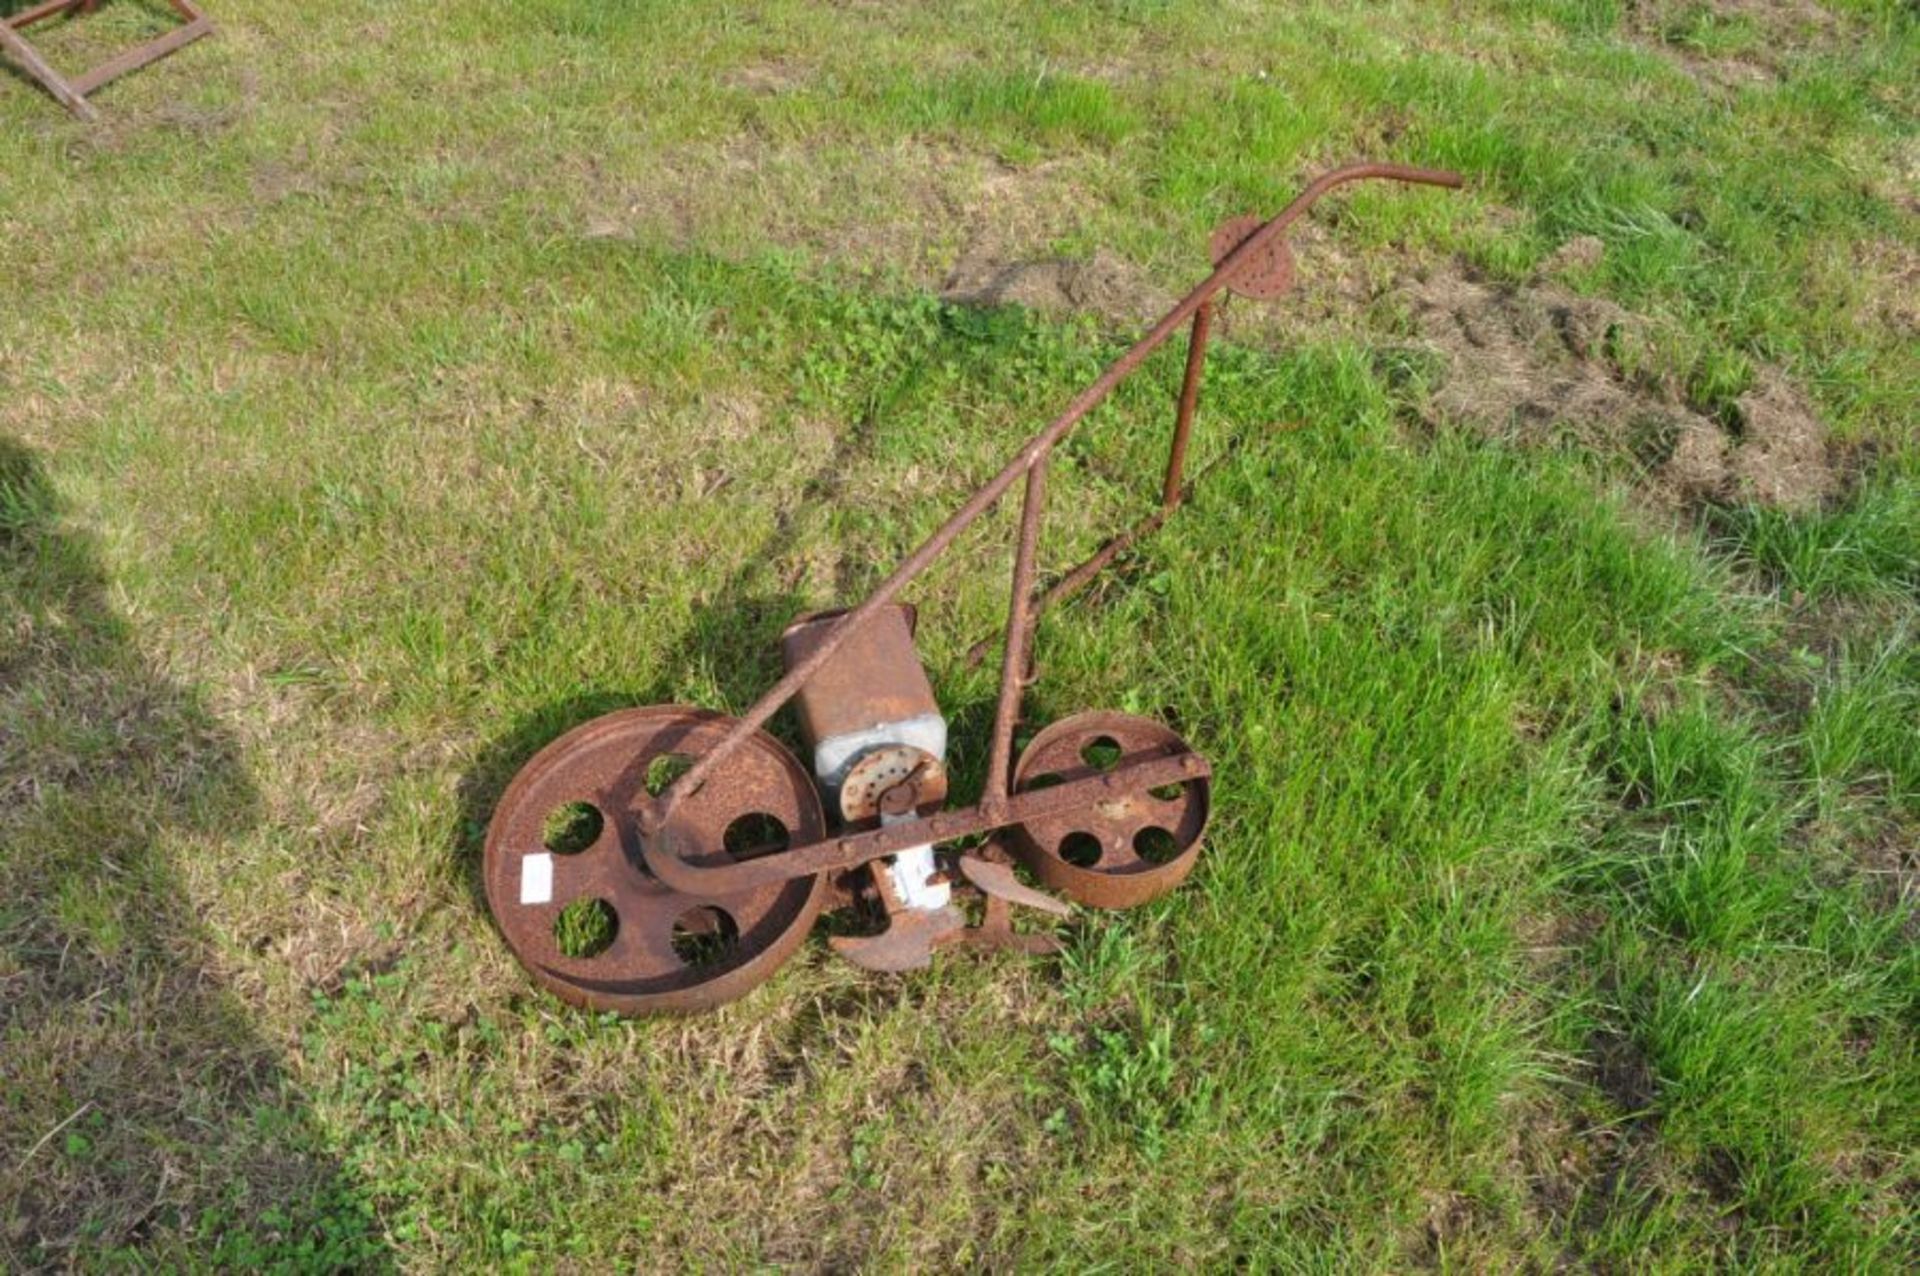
x: 1034, y: 452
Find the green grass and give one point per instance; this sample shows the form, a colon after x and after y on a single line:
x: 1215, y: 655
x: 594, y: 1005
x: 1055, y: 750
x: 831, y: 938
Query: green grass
x: 386, y: 389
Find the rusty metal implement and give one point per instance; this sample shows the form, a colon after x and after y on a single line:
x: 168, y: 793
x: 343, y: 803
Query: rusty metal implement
x: 72, y: 91
x: 707, y: 849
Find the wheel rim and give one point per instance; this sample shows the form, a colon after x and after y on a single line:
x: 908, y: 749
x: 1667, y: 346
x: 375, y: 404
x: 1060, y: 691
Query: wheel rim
x: 657, y: 949
x: 1116, y: 852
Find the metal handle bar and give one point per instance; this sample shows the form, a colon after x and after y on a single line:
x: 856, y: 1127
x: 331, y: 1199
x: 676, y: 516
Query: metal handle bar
x: 1031, y: 454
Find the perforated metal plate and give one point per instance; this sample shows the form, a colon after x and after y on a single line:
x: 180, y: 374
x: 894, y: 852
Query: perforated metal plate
x: 1269, y: 272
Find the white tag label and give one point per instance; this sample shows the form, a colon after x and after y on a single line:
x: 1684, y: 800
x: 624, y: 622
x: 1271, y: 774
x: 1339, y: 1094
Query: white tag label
x: 536, y: 879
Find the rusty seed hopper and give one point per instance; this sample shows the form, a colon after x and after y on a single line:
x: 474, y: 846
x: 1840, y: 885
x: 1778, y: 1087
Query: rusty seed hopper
x: 711, y: 848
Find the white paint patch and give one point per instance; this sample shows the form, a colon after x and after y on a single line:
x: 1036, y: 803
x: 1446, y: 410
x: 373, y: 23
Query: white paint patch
x: 536, y: 879
x: 911, y: 868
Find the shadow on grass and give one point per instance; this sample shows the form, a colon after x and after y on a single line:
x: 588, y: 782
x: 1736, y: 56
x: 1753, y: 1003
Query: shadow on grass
x: 142, y: 1119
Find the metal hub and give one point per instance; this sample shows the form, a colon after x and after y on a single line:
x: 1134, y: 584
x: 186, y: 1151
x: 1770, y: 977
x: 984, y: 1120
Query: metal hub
x: 1123, y: 850
x: 920, y: 777
x: 565, y: 844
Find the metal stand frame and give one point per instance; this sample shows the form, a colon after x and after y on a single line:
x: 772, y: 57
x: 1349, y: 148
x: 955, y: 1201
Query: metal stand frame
x: 1241, y: 261
x: 72, y: 92
x: 665, y: 860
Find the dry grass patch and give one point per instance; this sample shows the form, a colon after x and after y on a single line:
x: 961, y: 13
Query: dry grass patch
x: 1537, y: 363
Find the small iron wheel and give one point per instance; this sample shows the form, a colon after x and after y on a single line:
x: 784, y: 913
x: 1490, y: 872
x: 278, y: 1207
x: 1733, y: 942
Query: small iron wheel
x: 1119, y: 851
x: 566, y: 880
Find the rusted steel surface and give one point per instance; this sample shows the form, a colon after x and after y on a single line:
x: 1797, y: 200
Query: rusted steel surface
x: 876, y: 669
x: 907, y: 943
x: 605, y: 763
x: 1248, y: 255
x: 912, y: 937
x: 1013, y: 669
x: 71, y: 91
x: 1126, y: 846
x: 909, y: 937
x: 1170, y: 486
x: 996, y: 931
x: 998, y: 881
x: 1267, y: 269
x: 23, y: 52
x: 677, y: 862
x: 1087, y: 572
x: 1081, y: 576
x: 1107, y: 808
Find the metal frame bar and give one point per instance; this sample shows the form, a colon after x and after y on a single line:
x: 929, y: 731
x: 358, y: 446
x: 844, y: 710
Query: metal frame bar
x: 850, y: 850
x: 996, y: 808
x: 1173, y: 490
x: 1013, y: 668
x: 71, y: 91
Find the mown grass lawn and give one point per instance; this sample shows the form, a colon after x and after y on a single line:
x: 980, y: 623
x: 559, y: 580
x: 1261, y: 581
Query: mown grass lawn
x: 385, y: 389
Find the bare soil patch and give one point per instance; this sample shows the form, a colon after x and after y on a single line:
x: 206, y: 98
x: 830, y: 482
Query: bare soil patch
x: 913, y: 210
x: 1691, y: 31
x: 769, y: 78
x: 1773, y: 15
x: 1537, y: 364
x: 1534, y: 363
x: 1890, y: 271
x: 1105, y: 284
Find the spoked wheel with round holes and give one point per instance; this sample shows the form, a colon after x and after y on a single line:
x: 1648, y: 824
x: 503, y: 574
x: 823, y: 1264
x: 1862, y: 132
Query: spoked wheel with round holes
x: 567, y: 884
x: 1123, y: 850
